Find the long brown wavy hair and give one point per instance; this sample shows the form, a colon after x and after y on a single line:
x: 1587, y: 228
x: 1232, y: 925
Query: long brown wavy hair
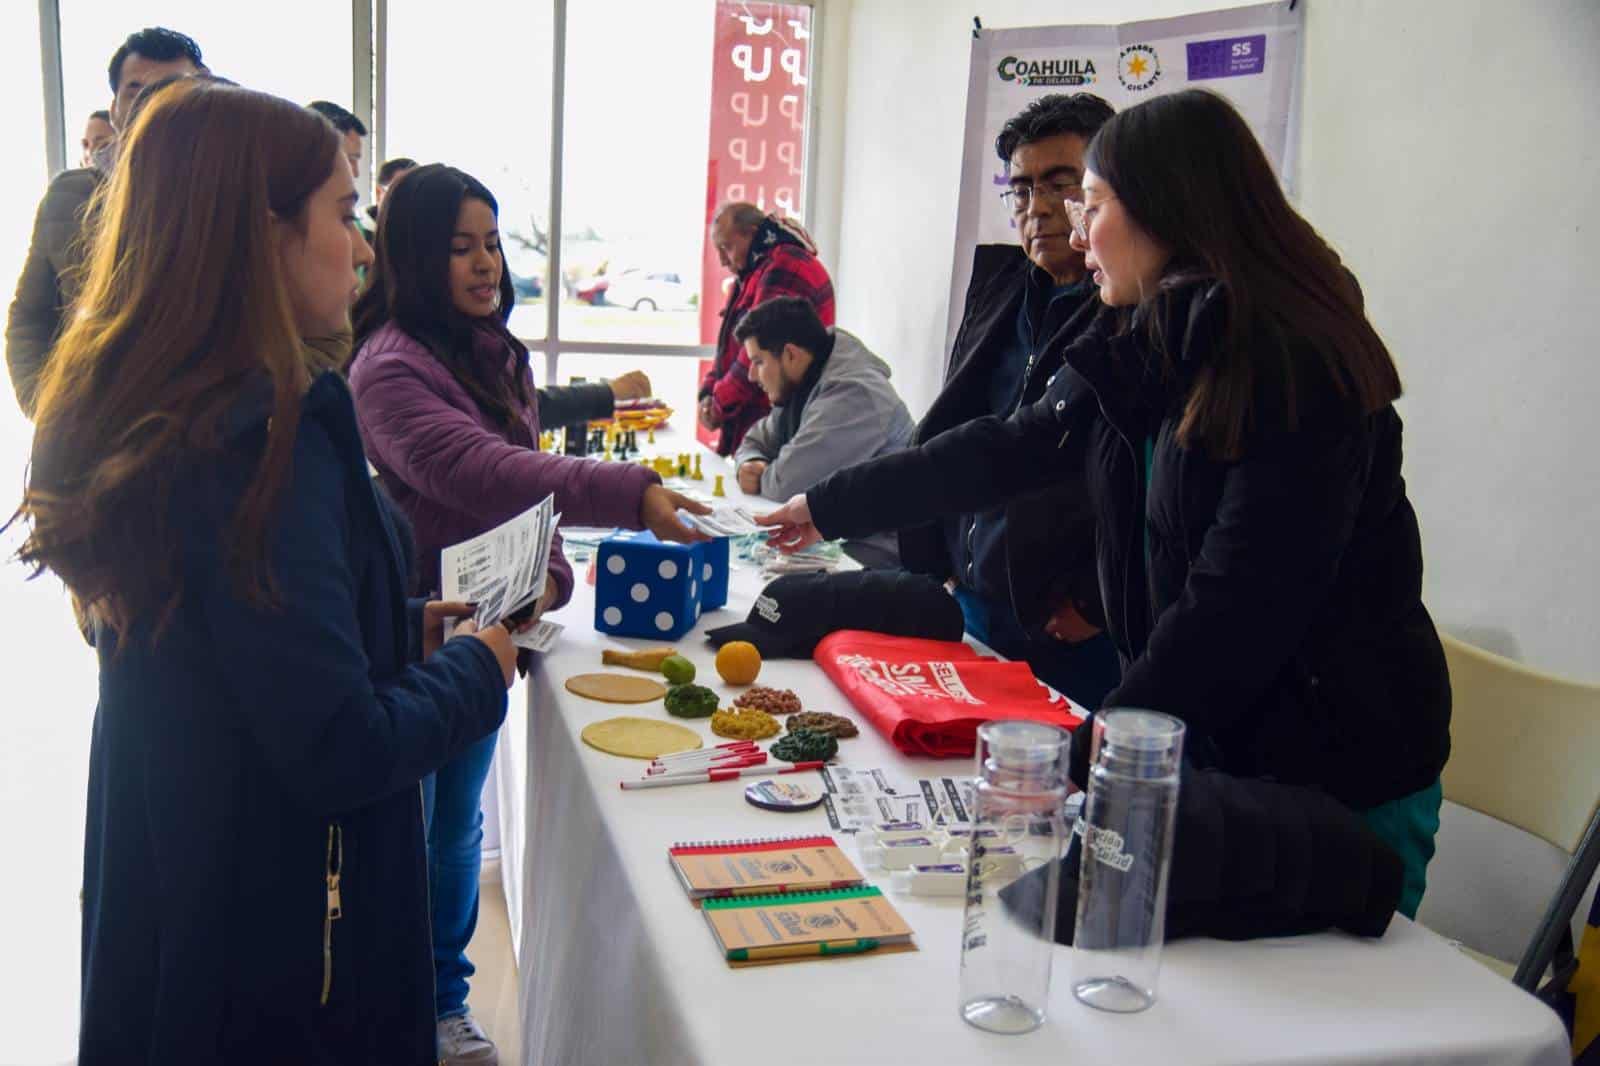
x: 183, y: 307
x: 1188, y: 169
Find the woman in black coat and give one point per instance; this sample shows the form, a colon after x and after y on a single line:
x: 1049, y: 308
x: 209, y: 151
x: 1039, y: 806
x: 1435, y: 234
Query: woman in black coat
x: 254, y: 886
x: 1232, y: 410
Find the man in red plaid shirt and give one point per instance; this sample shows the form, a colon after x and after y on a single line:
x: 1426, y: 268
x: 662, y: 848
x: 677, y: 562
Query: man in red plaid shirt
x: 769, y: 257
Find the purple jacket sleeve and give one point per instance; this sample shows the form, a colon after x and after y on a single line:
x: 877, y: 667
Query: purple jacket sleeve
x: 444, y: 453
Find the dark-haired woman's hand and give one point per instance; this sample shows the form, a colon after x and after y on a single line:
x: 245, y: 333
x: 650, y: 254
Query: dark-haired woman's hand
x: 658, y: 512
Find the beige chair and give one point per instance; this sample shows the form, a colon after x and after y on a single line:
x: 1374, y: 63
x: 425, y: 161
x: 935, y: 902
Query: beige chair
x: 1525, y: 750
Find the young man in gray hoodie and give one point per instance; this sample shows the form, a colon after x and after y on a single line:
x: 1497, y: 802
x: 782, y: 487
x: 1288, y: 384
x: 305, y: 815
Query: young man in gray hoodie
x: 832, y: 407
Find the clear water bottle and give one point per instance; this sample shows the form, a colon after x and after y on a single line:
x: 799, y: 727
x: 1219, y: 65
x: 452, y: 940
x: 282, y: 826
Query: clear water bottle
x: 1127, y: 850
x: 1016, y: 828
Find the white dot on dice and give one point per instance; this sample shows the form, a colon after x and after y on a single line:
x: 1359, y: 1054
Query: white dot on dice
x: 613, y: 616
x: 616, y: 565
x: 705, y: 574
x: 664, y: 621
x: 640, y: 592
x: 668, y: 569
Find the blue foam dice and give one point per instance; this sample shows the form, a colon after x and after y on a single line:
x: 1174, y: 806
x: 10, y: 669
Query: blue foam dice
x: 646, y: 588
x: 713, y: 573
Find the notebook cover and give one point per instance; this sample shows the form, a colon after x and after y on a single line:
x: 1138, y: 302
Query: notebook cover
x: 806, y: 920
x: 762, y: 866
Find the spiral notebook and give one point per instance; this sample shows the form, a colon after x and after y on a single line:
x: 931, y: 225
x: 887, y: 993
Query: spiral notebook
x: 762, y: 865
x: 761, y: 930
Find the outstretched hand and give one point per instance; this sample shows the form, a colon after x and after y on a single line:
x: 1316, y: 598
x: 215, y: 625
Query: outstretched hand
x: 659, y: 514
x: 792, y: 529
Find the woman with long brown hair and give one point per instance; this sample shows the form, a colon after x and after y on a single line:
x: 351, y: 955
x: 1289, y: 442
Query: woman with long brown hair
x: 254, y: 887
x: 1260, y: 564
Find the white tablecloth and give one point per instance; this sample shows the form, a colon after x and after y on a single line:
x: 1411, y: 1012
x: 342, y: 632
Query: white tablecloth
x: 617, y: 967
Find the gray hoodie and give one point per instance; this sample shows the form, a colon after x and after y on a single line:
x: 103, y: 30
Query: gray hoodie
x: 852, y: 414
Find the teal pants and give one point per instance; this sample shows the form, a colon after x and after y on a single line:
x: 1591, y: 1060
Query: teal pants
x: 1408, y: 825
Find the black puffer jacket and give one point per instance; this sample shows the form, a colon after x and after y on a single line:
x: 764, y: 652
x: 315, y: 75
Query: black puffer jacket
x: 1049, y: 533
x: 1280, y: 614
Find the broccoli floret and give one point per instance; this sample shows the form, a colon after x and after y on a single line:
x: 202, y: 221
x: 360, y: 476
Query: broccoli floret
x: 691, y: 701
x: 804, y: 745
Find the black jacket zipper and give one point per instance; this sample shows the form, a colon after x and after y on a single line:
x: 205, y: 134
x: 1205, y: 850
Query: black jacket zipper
x: 335, y: 908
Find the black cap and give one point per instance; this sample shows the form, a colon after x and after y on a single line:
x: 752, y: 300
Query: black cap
x: 796, y: 611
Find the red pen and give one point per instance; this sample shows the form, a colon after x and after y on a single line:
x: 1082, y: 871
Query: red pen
x: 699, y: 777
x: 732, y: 762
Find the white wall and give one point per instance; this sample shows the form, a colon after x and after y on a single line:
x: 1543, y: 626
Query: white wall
x: 1448, y: 150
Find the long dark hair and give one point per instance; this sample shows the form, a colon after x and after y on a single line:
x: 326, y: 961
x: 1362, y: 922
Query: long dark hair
x: 409, y: 285
x: 174, y: 322
x: 1189, y: 171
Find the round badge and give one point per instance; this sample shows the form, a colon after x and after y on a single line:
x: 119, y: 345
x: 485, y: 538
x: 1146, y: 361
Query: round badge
x: 782, y: 795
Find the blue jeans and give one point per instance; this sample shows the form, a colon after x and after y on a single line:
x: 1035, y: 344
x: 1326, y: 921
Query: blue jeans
x: 454, y: 819
x: 1084, y: 671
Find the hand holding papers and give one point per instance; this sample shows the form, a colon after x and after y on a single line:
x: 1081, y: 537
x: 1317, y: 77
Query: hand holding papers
x: 503, y: 570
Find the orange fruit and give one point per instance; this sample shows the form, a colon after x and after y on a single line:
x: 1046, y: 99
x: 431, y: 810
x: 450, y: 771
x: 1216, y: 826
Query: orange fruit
x: 738, y: 662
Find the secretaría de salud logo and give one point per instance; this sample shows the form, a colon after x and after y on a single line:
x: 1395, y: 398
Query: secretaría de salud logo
x: 1138, y: 67
x: 1047, y: 71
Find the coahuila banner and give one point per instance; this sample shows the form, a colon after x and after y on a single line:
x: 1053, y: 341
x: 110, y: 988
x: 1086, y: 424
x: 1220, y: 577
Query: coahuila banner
x: 1251, y: 55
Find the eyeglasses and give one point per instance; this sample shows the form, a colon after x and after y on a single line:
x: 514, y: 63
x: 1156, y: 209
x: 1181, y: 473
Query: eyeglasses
x: 1079, y: 215
x: 1019, y: 197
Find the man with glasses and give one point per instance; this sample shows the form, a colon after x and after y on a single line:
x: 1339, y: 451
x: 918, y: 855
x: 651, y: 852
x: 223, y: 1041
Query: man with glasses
x: 1024, y: 574
x: 48, y: 278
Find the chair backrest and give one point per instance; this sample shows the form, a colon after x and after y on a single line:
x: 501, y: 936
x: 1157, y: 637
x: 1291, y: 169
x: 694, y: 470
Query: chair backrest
x: 1524, y: 746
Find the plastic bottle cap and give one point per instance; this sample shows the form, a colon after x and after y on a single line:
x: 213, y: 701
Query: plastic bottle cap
x: 900, y: 881
x: 1139, y: 743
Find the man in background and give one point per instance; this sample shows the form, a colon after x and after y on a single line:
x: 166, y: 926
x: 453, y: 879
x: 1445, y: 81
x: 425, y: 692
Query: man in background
x: 49, y: 280
x: 352, y: 131
x: 769, y: 256
x: 832, y: 407
x: 391, y: 172
x: 97, y: 136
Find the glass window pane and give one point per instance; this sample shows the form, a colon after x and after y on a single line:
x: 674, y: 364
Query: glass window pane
x: 480, y: 101
x: 300, y: 50
x: 726, y: 120
x: 634, y: 179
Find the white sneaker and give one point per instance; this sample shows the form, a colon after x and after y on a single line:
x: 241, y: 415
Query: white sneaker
x: 462, y: 1042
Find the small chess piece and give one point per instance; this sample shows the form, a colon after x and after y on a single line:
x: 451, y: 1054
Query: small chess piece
x: 717, y: 489
x: 650, y: 435
x: 697, y: 475
x: 683, y: 465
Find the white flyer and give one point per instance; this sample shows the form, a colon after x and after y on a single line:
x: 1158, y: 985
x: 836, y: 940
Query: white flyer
x: 857, y: 799
x: 503, y: 570
x: 541, y: 638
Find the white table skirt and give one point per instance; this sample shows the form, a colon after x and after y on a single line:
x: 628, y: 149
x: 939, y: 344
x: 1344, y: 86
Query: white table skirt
x: 617, y: 967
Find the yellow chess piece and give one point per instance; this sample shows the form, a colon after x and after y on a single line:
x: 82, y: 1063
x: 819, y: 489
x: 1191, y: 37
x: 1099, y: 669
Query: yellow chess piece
x: 716, y: 489
x: 697, y: 475
x: 650, y: 435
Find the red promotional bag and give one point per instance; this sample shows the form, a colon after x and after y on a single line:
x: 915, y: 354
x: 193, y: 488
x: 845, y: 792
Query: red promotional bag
x: 928, y: 697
